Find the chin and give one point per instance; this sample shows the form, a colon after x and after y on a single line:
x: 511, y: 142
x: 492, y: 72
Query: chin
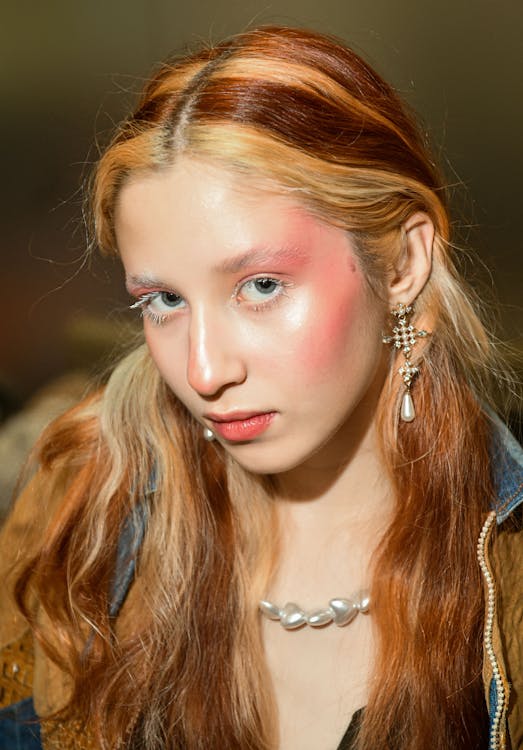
x: 258, y: 459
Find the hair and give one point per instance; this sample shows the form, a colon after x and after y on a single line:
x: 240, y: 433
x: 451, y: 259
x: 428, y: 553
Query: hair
x: 305, y: 113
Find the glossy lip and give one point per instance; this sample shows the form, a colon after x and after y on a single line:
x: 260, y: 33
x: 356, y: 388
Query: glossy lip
x: 233, y: 416
x: 240, y: 426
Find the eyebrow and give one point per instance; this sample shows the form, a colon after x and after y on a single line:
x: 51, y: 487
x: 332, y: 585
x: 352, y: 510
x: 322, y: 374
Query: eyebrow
x: 142, y: 282
x: 230, y: 265
x: 259, y: 257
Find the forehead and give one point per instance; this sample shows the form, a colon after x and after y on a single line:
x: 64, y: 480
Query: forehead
x: 190, y: 189
x: 198, y: 210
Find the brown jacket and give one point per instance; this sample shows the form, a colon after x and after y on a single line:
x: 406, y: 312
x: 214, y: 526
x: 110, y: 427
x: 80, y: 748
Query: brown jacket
x: 27, y: 672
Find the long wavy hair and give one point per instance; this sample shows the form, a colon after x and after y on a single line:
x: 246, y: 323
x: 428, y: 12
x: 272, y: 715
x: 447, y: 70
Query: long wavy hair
x: 304, y: 112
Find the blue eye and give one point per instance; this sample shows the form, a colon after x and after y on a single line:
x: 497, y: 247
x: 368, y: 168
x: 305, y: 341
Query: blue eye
x: 258, y: 290
x: 169, y: 299
x: 157, y: 306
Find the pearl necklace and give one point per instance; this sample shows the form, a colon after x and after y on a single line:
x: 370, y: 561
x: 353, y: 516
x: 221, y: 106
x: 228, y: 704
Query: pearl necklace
x: 340, y: 611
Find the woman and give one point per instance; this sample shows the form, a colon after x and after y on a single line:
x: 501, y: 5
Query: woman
x: 263, y: 532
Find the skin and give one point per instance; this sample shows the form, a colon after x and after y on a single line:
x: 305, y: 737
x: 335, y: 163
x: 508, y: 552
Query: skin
x: 306, y: 348
x: 307, y: 351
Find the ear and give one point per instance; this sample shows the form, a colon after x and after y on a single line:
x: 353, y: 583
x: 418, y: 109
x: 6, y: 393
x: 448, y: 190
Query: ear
x: 415, y: 262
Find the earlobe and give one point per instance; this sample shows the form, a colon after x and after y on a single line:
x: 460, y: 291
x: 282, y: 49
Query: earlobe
x: 415, y: 263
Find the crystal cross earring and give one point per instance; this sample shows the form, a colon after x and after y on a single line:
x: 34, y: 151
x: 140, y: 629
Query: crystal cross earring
x: 405, y: 336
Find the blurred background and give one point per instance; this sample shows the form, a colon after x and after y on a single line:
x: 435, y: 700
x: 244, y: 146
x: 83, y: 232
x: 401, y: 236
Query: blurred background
x: 70, y: 70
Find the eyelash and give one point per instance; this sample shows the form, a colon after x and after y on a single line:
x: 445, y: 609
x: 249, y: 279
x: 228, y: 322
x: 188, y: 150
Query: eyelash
x: 158, y: 319
x: 142, y: 304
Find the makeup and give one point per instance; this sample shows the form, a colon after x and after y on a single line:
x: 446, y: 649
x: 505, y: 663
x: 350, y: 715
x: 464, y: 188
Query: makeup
x: 243, y: 428
x: 260, y: 305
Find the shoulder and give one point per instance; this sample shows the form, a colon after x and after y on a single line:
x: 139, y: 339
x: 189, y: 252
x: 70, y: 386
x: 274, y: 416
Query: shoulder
x: 61, y: 452
x: 507, y: 548
x: 20, y: 538
x: 506, y: 557
x: 29, y: 681
x: 507, y: 469
x: 22, y: 665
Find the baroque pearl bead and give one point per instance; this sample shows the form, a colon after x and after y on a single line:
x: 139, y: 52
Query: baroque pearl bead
x: 345, y: 610
x: 408, y: 413
x: 341, y: 611
x: 363, y: 601
x: 320, y: 617
x: 292, y: 616
x: 270, y: 610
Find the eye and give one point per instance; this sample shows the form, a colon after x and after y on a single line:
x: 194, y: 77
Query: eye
x: 157, y: 306
x: 261, y: 289
x: 165, y: 301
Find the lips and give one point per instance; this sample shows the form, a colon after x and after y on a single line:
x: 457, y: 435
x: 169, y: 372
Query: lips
x: 241, y: 426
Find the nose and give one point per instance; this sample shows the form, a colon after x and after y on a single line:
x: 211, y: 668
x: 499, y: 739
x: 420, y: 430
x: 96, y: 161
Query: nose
x: 216, y: 359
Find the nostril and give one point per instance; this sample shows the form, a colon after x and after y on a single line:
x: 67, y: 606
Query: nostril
x: 214, y: 360
x: 208, y: 376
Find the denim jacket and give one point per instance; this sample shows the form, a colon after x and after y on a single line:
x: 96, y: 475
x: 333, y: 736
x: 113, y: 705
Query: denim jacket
x: 26, y: 682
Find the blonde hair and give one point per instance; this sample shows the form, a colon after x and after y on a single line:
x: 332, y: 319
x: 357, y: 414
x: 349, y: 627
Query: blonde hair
x: 304, y: 113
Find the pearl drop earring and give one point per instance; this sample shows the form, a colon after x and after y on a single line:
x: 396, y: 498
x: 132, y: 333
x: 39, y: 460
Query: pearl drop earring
x: 405, y: 336
x: 208, y: 434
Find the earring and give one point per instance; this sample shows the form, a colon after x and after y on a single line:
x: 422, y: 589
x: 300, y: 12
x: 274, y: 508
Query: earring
x: 404, y: 336
x: 208, y: 434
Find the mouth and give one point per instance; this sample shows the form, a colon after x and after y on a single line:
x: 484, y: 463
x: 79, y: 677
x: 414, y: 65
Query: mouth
x: 240, y: 426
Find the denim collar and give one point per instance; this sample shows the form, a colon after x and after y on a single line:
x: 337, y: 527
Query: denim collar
x: 507, y: 469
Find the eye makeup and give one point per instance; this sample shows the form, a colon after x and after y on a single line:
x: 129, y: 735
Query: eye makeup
x: 145, y: 302
x: 257, y: 294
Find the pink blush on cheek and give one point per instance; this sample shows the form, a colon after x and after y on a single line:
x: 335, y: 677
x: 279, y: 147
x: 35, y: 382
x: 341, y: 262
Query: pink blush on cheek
x: 333, y: 322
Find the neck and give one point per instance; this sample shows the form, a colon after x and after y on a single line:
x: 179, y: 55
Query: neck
x: 333, y: 510
x: 345, y: 475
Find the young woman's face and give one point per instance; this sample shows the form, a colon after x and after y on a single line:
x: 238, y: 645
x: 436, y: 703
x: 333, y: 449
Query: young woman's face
x: 256, y: 312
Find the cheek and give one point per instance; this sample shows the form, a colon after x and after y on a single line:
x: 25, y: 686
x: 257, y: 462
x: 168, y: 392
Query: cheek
x: 167, y: 355
x: 334, y: 330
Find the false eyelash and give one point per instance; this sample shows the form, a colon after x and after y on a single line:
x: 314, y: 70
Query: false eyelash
x: 142, y: 300
x: 274, y: 301
x: 141, y: 304
x: 269, y: 304
x: 159, y: 319
x: 155, y: 318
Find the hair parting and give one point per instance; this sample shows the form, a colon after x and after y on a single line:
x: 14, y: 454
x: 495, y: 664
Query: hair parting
x: 299, y: 112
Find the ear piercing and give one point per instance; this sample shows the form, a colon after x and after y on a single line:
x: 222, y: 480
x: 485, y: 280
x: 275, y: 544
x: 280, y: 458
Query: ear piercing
x: 404, y: 336
x: 208, y: 434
